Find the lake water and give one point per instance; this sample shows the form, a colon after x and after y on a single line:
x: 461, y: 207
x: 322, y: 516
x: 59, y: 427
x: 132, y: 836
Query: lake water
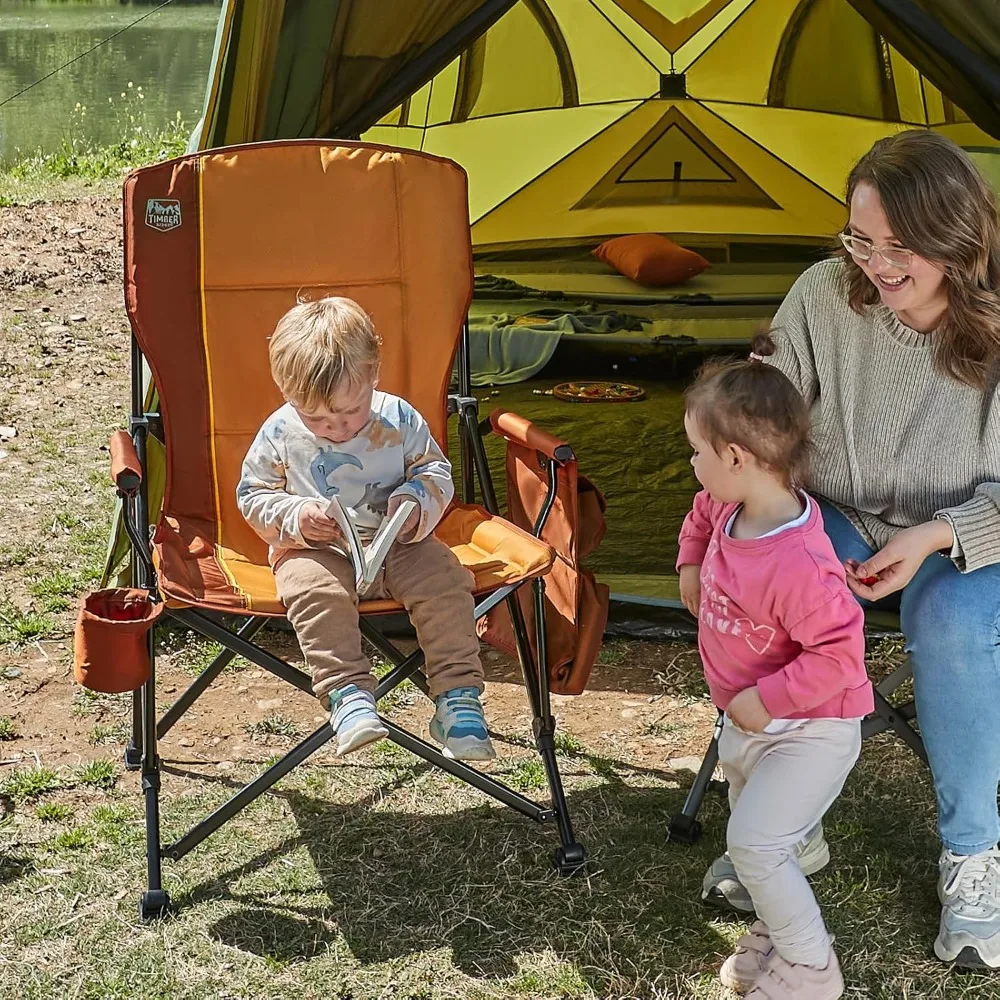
x: 167, y: 54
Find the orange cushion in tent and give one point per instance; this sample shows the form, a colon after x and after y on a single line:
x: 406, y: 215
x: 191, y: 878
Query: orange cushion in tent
x: 651, y: 259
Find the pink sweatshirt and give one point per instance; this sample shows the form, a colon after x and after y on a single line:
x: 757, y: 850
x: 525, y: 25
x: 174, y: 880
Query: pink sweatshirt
x: 776, y: 612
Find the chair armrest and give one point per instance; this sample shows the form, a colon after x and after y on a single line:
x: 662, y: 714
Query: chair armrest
x: 522, y: 431
x: 126, y: 471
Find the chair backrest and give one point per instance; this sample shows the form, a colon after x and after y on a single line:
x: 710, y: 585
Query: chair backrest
x: 219, y: 244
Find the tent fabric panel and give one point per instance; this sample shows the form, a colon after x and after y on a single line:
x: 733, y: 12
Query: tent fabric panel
x: 723, y: 72
x: 314, y: 67
x: 909, y: 90
x: 645, y: 44
x: 436, y: 101
x: 705, y: 37
x: 857, y: 84
x: 822, y: 147
x: 955, y: 45
x: 606, y: 64
x: 300, y: 66
x: 541, y: 138
x: 513, y: 67
x: 670, y: 22
x: 383, y: 45
x: 546, y: 209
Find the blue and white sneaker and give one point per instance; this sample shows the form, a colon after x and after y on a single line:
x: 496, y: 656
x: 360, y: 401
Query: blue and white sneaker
x: 354, y: 719
x: 460, y: 727
x: 969, y: 890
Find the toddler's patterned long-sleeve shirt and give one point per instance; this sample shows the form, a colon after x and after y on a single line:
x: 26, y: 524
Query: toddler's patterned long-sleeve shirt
x: 394, y: 454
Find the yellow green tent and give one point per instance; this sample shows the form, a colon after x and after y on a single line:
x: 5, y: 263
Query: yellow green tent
x: 709, y: 120
x: 577, y: 119
x: 728, y: 124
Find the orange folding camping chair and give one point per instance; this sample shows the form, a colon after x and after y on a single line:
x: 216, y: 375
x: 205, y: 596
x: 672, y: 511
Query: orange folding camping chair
x: 218, y: 245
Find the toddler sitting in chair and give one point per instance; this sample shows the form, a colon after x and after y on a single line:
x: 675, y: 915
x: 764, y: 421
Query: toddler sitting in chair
x: 337, y: 435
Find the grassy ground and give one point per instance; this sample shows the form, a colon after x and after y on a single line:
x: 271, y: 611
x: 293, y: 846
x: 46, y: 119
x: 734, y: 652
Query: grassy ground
x: 374, y: 877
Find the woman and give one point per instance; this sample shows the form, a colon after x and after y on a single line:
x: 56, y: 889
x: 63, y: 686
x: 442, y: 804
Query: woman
x: 896, y: 347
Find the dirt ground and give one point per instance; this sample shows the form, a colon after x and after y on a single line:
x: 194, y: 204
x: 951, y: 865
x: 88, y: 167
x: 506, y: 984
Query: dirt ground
x: 64, y: 389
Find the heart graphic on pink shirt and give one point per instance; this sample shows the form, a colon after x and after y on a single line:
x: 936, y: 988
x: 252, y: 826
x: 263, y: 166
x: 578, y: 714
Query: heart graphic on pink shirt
x: 758, y: 637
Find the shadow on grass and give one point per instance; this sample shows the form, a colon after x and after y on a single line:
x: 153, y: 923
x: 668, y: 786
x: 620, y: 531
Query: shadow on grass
x: 480, y: 882
x: 13, y: 867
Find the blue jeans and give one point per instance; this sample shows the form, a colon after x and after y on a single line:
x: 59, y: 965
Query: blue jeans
x: 951, y: 621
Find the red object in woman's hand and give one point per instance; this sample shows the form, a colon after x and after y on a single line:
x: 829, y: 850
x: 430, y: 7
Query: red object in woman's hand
x: 868, y: 581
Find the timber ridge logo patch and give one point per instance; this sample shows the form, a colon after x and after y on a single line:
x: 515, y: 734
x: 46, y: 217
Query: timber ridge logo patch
x: 163, y: 214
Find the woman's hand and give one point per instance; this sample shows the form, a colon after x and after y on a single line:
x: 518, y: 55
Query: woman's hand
x: 748, y: 712
x: 691, y: 588
x: 894, y: 566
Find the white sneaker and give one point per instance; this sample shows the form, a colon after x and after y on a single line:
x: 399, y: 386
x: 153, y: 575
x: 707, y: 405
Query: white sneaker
x: 969, y: 890
x: 722, y: 887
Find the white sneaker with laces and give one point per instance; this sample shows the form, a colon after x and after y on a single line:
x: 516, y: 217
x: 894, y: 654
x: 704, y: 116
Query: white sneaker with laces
x: 969, y: 890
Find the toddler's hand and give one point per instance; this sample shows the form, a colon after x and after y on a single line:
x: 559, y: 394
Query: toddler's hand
x: 748, y: 711
x: 412, y: 519
x: 691, y: 588
x: 315, y: 527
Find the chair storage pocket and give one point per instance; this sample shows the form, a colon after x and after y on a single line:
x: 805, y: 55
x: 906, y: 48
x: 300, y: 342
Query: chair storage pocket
x: 111, y: 653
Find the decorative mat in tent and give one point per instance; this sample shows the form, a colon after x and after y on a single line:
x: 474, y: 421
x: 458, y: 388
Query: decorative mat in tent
x: 598, y: 392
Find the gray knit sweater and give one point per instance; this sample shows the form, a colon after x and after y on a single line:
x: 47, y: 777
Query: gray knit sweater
x: 897, y: 442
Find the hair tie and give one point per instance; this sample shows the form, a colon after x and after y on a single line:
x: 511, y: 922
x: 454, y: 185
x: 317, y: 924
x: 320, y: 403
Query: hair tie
x: 756, y: 357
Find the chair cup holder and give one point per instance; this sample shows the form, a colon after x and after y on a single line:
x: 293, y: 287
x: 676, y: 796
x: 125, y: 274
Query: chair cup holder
x: 111, y: 651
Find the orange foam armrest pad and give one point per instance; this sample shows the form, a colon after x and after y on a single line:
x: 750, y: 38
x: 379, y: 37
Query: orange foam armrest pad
x: 651, y: 259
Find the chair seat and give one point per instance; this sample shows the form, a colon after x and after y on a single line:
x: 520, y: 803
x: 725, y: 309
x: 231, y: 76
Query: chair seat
x: 195, y: 572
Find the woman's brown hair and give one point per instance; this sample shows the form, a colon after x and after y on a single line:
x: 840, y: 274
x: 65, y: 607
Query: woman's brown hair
x: 940, y: 207
x: 756, y: 406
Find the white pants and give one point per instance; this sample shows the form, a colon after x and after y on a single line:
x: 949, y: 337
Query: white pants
x: 780, y: 786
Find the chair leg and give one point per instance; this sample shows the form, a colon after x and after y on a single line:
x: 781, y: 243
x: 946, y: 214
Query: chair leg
x: 889, y: 716
x: 571, y: 856
x: 685, y: 827
x: 154, y: 902
x: 133, y: 752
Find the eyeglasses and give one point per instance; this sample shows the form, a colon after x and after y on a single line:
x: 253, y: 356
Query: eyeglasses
x: 865, y: 249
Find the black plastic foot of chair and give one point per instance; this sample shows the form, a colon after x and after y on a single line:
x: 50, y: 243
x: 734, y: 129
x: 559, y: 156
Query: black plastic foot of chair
x: 685, y: 830
x: 133, y: 757
x: 154, y: 904
x: 571, y: 859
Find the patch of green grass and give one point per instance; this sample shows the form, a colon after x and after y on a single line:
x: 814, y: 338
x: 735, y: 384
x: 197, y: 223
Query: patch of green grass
x: 661, y: 729
x: 80, y: 158
x: 613, y: 653
x: 113, y: 824
x: 527, y: 775
x: 57, y: 584
x: 272, y: 725
x: 87, y: 702
x: 403, y: 694
x: 17, y: 556
x: 567, y: 743
x: 30, y: 782
x: 107, y: 734
x: 8, y: 729
x: 73, y: 840
x: 387, y: 754
x: 48, y: 445
x: 53, y: 812
x: 186, y: 648
x: 100, y: 774
x: 18, y: 627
